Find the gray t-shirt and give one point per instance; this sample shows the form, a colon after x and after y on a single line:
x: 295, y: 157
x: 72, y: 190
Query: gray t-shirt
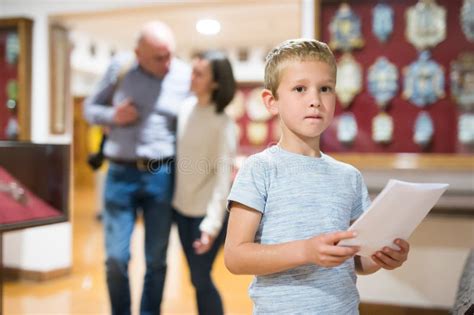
x: 301, y: 197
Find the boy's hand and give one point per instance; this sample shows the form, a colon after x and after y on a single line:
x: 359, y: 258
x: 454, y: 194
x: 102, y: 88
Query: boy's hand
x: 389, y: 258
x: 323, y: 251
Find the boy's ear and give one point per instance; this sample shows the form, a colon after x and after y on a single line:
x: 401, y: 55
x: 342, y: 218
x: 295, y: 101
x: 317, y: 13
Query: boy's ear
x: 269, y: 101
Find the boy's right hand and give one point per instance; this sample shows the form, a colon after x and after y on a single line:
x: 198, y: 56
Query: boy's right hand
x: 125, y: 113
x: 323, y: 251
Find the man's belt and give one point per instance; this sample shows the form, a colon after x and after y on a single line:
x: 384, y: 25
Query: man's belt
x: 152, y: 165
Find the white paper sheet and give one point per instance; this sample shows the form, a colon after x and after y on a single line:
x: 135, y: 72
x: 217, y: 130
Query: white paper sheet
x: 394, y: 213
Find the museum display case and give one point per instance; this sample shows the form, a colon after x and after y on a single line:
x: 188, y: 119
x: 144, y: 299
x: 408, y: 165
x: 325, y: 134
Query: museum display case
x: 410, y: 114
x: 414, y: 63
x: 34, y: 184
x: 15, y: 78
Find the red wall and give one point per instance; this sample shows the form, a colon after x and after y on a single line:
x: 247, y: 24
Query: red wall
x: 399, y: 51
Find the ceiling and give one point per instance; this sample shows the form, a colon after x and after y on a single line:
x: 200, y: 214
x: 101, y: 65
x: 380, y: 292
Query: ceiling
x: 244, y: 24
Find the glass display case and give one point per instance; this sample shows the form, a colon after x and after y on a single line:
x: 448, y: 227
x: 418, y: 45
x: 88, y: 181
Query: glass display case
x: 15, y: 78
x: 34, y: 184
x: 371, y: 30
x: 410, y: 99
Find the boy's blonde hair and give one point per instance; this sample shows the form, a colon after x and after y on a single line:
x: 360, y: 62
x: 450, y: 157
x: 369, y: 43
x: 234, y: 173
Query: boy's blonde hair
x: 294, y: 50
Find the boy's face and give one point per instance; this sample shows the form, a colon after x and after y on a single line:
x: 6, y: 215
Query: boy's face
x: 306, y: 99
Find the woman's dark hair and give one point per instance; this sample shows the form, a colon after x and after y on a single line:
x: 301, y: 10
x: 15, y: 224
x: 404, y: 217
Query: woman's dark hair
x: 223, y: 75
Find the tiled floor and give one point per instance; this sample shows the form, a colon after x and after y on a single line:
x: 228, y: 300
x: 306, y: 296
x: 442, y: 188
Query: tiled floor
x: 84, y: 291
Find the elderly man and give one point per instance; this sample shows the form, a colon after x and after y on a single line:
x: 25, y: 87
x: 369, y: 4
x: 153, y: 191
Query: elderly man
x: 138, y: 101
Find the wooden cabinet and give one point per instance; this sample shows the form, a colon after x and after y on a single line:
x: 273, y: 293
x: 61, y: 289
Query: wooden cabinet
x: 15, y: 78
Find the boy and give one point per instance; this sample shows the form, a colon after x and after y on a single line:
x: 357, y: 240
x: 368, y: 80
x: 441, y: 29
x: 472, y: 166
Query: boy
x: 291, y: 204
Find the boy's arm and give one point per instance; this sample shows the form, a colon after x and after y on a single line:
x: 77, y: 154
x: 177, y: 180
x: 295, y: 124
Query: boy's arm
x: 386, y: 258
x: 243, y: 256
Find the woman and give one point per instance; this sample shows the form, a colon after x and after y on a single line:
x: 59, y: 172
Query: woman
x: 205, y: 151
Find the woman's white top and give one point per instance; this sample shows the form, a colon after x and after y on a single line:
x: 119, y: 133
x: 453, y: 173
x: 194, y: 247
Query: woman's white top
x: 206, y: 146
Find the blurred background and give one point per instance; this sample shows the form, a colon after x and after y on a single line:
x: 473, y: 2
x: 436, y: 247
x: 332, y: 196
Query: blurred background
x: 53, y: 53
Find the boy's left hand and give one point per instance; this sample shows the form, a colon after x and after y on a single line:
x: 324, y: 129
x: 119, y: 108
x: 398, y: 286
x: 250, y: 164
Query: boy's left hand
x: 389, y: 258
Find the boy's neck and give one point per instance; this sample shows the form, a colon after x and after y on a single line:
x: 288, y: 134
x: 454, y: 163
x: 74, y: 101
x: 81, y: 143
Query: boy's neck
x: 301, y: 146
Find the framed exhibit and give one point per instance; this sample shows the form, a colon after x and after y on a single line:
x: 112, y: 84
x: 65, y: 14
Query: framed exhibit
x: 61, y: 101
x: 257, y: 129
x: 15, y: 81
x: 423, y: 112
x: 413, y: 114
x: 34, y: 184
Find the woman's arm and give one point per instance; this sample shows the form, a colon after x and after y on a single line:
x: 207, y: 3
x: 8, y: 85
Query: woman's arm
x: 215, y: 213
x: 223, y: 167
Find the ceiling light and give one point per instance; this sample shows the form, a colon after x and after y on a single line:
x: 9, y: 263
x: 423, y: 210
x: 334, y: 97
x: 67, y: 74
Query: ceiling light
x: 208, y: 26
